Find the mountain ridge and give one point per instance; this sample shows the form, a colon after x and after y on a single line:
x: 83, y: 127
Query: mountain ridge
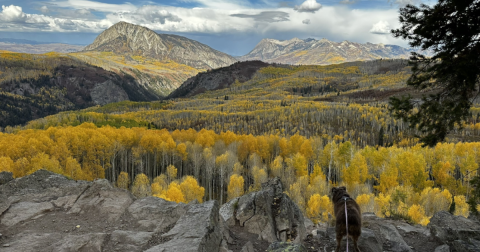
x: 323, y: 52
x: 130, y: 39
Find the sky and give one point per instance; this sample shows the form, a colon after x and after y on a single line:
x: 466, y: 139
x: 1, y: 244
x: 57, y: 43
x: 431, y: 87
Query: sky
x: 230, y: 26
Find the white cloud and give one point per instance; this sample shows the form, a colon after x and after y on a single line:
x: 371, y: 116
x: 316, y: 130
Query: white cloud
x: 12, y: 14
x: 336, y: 23
x: 308, y: 6
x: 66, y: 24
x: 348, y: 1
x: 44, y: 9
x: 98, y: 6
x: 402, y: 3
x: 382, y: 27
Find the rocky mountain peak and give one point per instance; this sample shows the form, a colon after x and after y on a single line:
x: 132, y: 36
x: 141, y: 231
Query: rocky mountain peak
x: 323, y: 52
x: 129, y: 39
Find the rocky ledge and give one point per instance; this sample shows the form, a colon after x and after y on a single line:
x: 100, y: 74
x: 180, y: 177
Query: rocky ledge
x: 49, y: 212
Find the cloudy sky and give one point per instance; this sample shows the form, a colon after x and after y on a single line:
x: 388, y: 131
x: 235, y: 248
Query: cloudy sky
x: 231, y: 26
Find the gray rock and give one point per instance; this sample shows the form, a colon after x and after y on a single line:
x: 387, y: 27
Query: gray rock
x: 41, y: 186
x: 155, y: 214
x: 309, y: 226
x: 368, y: 241
x: 103, y: 199
x: 5, y: 177
x: 269, y: 213
x: 417, y: 229
x: 286, y: 247
x: 48, y: 212
x: 448, y: 228
x: 248, y: 247
x: 386, y: 233
x: 23, y: 211
x: 443, y: 248
x: 88, y: 242
x: 129, y: 241
x: 5, y: 203
x: 227, y: 211
x: 196, y: 230
x: 56, y: 242
x: 470, y: 245
x: 32, y: 242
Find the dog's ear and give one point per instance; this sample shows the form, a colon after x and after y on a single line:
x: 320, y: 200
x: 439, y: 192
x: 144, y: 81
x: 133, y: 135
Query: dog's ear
x: 334, y: 189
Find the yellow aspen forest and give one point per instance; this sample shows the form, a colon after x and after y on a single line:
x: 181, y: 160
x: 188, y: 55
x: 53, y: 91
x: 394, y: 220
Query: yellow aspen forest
x: 184, y: 165
x: 314, y: 127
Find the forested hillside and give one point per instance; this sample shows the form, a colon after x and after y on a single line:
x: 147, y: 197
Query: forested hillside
x: 34, y: 86
x: 313, y: 126
x: 160, y: 77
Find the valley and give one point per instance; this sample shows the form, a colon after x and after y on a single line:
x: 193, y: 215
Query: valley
x: 165, y: 116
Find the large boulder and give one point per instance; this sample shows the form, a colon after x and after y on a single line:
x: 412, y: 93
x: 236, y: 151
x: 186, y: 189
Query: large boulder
x: 269, y: 213
x: 447, y: 227
x: 197, y: 230
x: 49, y: 212
x: 460, y: 233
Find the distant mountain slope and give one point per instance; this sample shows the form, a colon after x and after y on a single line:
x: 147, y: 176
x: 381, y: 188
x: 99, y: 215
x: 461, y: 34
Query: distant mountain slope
x: 159, y: 62
x: 322, y: 52
x: 39, y: 48
x: 33, y: 86
x: 129, y: 39
x: 218, y: 78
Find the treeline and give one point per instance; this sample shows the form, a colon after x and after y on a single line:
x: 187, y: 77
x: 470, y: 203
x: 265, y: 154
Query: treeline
x: 390, y: 181
x: 360, y: 124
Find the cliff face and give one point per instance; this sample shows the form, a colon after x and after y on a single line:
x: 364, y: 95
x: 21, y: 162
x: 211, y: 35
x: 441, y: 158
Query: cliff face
x: 323, y: 52
x: 129, y: 39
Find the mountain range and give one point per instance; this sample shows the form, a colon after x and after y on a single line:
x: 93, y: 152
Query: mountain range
x: 323, y: 52
x: 139, y: 64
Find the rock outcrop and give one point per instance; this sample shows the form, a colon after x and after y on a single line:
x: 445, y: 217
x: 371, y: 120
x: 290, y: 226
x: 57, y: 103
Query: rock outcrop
x: 445, y: 233
x: 459, y: 233
x: 268, y: 213
x: 48, y: 212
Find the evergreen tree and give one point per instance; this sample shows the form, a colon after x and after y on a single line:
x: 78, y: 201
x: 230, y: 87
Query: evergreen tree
x: 451, y: 29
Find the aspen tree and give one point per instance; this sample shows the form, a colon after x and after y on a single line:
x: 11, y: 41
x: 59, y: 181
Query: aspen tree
x: 141, y: 186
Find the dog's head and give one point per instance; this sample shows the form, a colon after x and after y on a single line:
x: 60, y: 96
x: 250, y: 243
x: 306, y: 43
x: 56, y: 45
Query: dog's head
x: 338, y: 192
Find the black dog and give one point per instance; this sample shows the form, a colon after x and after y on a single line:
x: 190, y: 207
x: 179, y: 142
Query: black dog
x: 339, y: 198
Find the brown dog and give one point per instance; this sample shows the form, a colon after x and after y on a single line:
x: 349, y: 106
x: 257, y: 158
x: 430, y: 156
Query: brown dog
x: 339, y: 198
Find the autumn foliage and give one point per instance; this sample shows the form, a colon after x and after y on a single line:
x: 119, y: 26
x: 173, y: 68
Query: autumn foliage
x: 186, y: 165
